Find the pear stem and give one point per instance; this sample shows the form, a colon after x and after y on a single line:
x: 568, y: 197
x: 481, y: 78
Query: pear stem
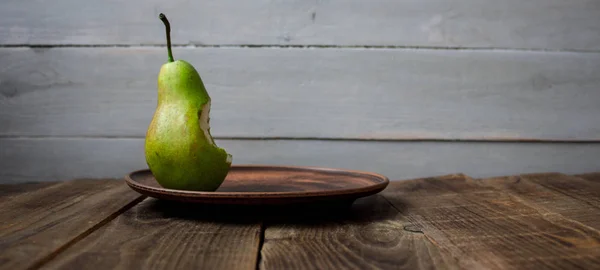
x: 163, y: 18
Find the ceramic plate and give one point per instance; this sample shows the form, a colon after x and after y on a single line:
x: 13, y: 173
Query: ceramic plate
x: 262, y: 184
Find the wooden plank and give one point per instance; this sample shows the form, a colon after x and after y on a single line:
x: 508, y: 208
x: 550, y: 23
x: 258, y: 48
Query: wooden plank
x: 25, y: 160
x: 594, y: 177
x: 396, y: 94
x: 584, y: 191
x: 9, y: 190
x: 370, y: 235
x: 549, y: 24
x: 35, y: 226
x: 487, y: 228
x: 162, y: 235
x: 550, y: 194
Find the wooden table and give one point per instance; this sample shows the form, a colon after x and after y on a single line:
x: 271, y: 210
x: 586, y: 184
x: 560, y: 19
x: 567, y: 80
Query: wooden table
x: 535, y: 221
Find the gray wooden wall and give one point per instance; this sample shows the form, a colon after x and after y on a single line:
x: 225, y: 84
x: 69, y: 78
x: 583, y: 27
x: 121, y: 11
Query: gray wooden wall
x: 406, y: 88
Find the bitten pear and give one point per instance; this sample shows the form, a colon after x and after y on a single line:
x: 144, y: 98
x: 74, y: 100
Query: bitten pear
x: 179, y: 149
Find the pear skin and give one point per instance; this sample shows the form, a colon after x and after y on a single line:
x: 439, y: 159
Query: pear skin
x: 179, y: 148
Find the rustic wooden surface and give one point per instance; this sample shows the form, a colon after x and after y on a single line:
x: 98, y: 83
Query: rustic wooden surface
x: 570, y: 196
x: 594, y: 177
x: 370, y: 236
x: 528, y: 221
x: 7, y: 191
x: 538, y: 24
x: 32, y: 159
x: 484, y: 226
x: 383, y: 94
x: 37, y: 224
x: 157, y: 235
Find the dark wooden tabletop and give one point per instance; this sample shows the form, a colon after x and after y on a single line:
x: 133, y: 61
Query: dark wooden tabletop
x: 534, y: 221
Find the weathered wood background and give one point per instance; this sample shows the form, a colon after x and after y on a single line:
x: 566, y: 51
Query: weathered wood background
x: 406, y: 88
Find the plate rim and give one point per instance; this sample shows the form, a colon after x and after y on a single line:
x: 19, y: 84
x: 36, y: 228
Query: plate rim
x: 368, y: 189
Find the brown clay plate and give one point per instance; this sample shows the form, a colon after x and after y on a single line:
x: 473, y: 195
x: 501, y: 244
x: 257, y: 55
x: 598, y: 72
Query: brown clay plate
x: 262, y: 184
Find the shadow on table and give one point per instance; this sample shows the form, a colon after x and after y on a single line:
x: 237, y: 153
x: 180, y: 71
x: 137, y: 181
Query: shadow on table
x: 367, y: 209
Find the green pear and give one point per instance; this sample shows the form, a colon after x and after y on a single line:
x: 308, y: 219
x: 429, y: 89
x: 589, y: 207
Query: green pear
x: 179, y: 148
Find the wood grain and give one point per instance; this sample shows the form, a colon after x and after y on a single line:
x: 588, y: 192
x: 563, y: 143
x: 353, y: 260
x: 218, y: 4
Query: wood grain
x: 370, y: 235
x: 554, y: 194
x: 573, y: 187
x: 36, y: 225
x: 444, y: 222
x: 486, y: 228
x: 594, y: 177
x: 160, y: 235
x: 25, y: 160
x: 9, y: 190
x: 542, y: 24
x: 395, y: 94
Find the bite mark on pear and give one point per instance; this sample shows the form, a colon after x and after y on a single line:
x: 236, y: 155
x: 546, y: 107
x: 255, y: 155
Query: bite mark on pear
x: 204, y: 125
x: 204, y: 121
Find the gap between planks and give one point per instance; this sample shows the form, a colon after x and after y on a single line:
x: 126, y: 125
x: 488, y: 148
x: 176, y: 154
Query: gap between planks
x: 295, y: 46
x: 261, y: 241
x: 44, y: 260
x: 278, y: 138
